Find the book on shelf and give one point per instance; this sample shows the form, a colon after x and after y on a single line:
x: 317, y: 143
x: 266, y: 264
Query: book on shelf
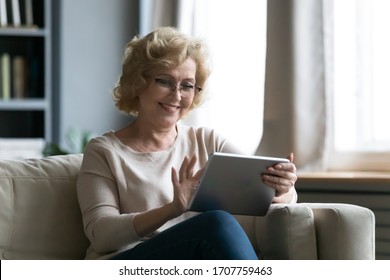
x: 5, y: 61
x: 3, y: 13
x: 16, y: 13
x: 28, y: 12
x: 21, y: 148
x: 20, y: 77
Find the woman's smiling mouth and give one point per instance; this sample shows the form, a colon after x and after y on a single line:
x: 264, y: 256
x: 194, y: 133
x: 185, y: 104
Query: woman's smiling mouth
x: 169, y: 107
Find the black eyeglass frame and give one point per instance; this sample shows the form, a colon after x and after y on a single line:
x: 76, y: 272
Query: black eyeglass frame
x: 168, y: 83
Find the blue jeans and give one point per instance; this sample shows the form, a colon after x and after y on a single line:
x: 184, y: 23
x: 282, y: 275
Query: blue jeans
x: 208, y: 236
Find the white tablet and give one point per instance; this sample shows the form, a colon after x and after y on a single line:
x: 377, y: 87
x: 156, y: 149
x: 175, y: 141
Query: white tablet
x: 234, y: 183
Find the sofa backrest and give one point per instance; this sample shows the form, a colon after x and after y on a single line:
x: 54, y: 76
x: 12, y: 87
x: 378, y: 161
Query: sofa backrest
x: 39, y: 213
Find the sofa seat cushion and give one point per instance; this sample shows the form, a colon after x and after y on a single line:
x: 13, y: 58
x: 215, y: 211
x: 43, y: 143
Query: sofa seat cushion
x: 40, y: 217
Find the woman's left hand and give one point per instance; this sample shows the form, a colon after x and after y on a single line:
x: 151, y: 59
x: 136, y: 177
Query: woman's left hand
x: 282, y: 178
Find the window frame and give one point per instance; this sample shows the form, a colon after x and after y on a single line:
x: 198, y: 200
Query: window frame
x: 374, y: 160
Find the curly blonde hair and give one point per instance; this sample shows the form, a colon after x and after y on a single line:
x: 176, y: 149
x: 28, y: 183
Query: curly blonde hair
x: 164, y: 47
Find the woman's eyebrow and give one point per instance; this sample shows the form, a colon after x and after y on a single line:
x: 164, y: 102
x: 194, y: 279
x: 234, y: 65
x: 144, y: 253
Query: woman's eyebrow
x: 165, y: 75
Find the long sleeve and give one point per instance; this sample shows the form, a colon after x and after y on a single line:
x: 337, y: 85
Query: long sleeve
x: 98, y: 195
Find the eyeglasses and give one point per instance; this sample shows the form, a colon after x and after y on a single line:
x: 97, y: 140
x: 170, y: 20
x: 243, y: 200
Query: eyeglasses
x: 184, y: 88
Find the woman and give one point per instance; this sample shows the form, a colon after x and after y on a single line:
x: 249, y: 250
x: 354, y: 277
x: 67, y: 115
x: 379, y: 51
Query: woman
x: 135, y: 183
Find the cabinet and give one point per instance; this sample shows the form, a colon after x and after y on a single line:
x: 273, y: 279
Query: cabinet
x: 26, y: 88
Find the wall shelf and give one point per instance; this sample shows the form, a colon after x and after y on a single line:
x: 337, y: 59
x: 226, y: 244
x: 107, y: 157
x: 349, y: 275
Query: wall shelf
x: 22, y: 31
x: 24, y: 104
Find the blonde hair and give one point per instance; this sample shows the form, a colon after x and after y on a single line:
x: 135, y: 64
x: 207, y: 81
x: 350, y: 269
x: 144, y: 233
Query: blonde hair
x: 164, y: 47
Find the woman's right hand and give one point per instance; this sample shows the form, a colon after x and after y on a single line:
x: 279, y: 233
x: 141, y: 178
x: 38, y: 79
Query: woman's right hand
x: 184, y: 184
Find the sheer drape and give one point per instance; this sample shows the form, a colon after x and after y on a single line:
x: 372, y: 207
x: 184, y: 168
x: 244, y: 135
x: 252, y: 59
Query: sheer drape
x: 235, y: 32
x: 295, y: 109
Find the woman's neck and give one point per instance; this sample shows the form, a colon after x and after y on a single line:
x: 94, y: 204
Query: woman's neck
x: 144, y: 138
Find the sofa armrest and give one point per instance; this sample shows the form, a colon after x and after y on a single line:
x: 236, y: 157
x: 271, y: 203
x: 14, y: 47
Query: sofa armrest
x: 313, y: 231
x: 344, y: 231
x: 286, y: 232
x: 39, y: 213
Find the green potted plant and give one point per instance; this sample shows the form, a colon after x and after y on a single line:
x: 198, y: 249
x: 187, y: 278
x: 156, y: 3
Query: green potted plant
x: 77, y: 139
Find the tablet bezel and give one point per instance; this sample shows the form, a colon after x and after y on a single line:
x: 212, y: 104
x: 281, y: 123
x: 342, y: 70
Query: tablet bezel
x: 233, y: 183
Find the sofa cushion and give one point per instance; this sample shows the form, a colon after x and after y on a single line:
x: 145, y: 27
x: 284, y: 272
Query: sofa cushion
x: 39, y: 213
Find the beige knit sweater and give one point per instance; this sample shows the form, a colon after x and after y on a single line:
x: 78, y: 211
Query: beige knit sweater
x: 116, y: 182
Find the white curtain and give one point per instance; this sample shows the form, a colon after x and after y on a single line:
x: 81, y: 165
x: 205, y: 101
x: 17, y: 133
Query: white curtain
x: 296, y: 115
x: 235, y: 31
x: 155, y: 13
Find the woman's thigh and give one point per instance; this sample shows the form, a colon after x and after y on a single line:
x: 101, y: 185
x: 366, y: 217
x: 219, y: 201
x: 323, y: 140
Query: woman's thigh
x: 210, y: 235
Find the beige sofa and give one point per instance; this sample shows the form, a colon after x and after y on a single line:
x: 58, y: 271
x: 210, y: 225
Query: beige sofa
x: 40, y: 219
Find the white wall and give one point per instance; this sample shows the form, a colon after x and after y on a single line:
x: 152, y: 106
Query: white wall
x: 91, y: 38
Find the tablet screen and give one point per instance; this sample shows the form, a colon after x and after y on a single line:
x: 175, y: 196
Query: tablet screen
x: 233, y: 183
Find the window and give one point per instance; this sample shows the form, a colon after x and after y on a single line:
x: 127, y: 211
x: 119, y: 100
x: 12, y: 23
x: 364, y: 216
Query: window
x: 235, y: 32
x: 360, y: 47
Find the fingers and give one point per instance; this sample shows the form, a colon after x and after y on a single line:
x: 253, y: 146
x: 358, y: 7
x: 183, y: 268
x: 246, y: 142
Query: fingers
x: 191, y: 165
x: 285, y: 170
x: 280, y: 184
x: 187, y: 167
x: 184, y: 183
x: 174, y: 178
x: 291, y: 157
x: 282, y: 176
x: 183, y: 169
x: 199, y: 174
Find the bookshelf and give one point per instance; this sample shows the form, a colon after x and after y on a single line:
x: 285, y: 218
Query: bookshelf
x: 25, y: 70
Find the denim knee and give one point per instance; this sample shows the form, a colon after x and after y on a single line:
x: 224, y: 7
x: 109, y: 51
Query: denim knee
x: 219, y: 217
x: 222, y: 223
x: 226, y: 236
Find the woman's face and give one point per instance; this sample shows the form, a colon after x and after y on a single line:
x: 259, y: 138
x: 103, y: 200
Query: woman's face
x: 168, y: 96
